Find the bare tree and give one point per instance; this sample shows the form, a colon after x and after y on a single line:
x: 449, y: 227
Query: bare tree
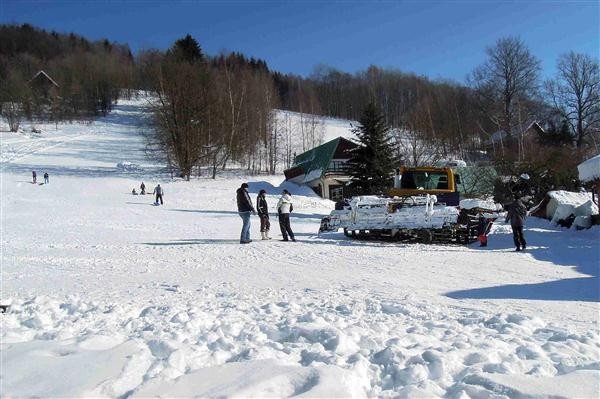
x: 575, y: 94
x: 509, y: 74
x: 13, y: 94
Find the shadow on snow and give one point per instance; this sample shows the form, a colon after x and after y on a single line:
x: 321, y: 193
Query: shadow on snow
x: 561, y: 247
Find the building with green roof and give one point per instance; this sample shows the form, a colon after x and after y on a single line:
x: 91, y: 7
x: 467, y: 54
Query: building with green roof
x: 324, y: 168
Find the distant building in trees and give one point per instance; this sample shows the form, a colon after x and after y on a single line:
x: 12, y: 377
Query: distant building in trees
x: 43, y: 86
x: 324, y: 168
x: 524, y: 137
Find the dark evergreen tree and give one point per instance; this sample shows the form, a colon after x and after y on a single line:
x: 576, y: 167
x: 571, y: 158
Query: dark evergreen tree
x: 186, y: 50
x: 373, y: 162
x: 557, y: 137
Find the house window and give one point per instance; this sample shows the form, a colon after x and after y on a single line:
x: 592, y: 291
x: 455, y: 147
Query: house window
x: 336, y: 193
x: 337, y: 166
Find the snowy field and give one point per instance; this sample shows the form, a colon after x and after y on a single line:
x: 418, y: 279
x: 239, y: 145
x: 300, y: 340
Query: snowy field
x: 113, y: 297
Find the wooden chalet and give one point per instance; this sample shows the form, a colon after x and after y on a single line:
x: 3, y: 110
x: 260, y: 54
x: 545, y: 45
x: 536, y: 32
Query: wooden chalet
x: 323, y: 168
x: 43, y: 86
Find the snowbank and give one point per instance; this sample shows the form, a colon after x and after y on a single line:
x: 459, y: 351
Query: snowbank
x: 562, y: 204
x: 589, y: 170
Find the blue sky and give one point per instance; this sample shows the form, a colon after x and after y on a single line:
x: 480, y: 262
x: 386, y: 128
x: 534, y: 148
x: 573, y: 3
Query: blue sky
x: 438, y: 39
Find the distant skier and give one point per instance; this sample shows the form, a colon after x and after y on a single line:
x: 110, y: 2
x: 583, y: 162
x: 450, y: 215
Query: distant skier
x: 284, y: 208
x: 245, y: 208
x: 133, y: 192
x: 142, y: 189
x: 34, y: 176
x: 46, y: 178
x: 158, y: 190
x: 263, y: 213
x: 516, y: 215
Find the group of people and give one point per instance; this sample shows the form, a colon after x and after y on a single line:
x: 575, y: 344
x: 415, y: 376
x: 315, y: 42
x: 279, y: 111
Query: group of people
x: 34, y: 176
x: 158, y: 191
x: 246, y: 209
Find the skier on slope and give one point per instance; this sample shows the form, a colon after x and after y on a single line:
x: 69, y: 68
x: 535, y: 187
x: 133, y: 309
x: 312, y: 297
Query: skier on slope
x: 34, y: 176
x: 158, y: 190
x: 245, y: 208
x: 284, y: 207
x: 516, y: 215
x: 263, y: 213
x: 46, y: 178
x: 142, y: 189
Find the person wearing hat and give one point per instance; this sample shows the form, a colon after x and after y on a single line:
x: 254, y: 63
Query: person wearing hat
x: 516, y: 215
x: 245, y: 208
x: 284, y: 207
x: 263, y: 213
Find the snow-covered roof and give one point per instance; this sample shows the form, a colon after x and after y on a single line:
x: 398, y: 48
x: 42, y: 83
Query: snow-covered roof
x: 589, y: 170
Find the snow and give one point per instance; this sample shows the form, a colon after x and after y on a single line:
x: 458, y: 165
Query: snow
x: 589, y: 170
x: 471, y: 203
x: 112, y: 297
x: 564, y: 203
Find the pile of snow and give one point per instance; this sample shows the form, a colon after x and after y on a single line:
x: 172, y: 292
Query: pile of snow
x: 562, y: 204
x: 589, y: 170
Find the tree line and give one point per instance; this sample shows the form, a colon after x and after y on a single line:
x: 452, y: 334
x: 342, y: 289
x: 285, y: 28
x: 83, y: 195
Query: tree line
x: 88, y: 74
x: 211, y: 111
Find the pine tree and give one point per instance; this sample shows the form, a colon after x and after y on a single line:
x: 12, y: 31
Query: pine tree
x: 186, y: 50
x: 373, y: 162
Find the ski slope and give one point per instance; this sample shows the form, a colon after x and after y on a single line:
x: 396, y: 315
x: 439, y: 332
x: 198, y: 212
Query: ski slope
x: 111, y: 296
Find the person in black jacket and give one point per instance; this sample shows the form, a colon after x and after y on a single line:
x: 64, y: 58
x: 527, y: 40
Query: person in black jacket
x: 516, y: 215
x: 245, y: 208
x: 263, y: 213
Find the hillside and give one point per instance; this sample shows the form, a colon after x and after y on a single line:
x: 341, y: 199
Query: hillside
x: 111, y: 296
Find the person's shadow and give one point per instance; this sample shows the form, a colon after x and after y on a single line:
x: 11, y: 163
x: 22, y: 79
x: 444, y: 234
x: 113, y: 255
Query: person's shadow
x: 564, y: 248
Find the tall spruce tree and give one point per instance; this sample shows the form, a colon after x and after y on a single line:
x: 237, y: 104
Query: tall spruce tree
x: 373, y: 162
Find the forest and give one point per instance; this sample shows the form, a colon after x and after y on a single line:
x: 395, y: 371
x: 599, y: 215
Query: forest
x: 210, y: 111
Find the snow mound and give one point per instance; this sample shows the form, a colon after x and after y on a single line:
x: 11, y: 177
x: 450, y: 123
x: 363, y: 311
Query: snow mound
x: 562, y: 204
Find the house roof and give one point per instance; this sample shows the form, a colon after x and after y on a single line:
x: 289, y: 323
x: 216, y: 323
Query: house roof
x: 314, y: 163
x: 44, y: 74
x: 501, y: 134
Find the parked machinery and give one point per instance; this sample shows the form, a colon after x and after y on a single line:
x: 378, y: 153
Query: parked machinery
x: 423, y: 206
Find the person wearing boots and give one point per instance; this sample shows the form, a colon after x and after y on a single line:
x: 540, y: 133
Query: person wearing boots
x: 245, y: 208
x: 284, y: 207
x: 516, y: 215
x: 142, y: 189
x: 158, y: 190
x: 263, y: 213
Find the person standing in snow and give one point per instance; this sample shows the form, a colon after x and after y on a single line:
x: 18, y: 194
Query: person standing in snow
x: 142, y: 189
x: 46, y: 178
x: 245, y: 208
x: 516, y: 215
x: 159, y: 194
x: 263, y: 213
x: 284, y: 208
x: 34, y: 176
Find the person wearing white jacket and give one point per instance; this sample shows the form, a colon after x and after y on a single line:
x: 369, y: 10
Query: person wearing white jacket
x: 284, y: 208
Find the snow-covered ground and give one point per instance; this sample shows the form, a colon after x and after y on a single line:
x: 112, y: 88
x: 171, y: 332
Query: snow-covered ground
x: 113, y: 297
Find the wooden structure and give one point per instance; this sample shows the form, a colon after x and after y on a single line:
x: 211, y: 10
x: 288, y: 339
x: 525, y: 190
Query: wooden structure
x: 324, y: 168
